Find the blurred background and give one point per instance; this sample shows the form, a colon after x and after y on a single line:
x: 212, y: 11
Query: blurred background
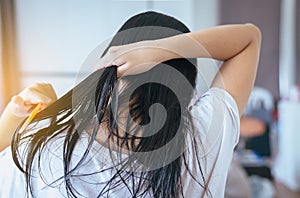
x: 49, y: 40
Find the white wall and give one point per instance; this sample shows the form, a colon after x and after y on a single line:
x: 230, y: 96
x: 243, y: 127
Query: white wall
x: 55, y: 36
x: 206, y: 14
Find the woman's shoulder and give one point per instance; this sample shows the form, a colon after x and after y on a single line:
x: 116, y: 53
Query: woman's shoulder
x: 215, y: 114
x: 216, y: 133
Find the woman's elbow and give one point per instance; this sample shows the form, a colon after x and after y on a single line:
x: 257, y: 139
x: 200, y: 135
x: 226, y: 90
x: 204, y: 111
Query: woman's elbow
x: 255, y: 32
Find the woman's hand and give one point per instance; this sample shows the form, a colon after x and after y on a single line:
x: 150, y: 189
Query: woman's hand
x: 21, y: 106
x: 238, y: 46
x: 135, y: 58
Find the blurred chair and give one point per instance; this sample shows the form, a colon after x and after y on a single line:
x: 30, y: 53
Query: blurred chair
x: 256, y: 150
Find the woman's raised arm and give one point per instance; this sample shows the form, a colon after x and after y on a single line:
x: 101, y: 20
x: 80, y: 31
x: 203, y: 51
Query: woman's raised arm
x: 237, y: 45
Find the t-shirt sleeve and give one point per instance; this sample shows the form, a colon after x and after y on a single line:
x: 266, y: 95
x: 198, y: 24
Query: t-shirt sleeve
x: 215, y: 114
x: 216, y: 121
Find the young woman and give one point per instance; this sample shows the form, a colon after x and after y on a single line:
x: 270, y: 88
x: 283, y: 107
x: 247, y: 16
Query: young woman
x: 132, y: 128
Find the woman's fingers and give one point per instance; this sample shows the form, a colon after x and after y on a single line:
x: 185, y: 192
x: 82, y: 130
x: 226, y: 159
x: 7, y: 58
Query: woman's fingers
x: 33, y: 96
x: 17, y: 100
x: 111, y: 59
x: 18, y: 106
x: 40, y: 92
x: 133, y: 58
x: 24, y: 103
x: 122, y: 70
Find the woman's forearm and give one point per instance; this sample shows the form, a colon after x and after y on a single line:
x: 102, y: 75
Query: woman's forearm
x: 8, y: 124
x: 21, y: 106
x: 220, y: 43
x: 238, y: 46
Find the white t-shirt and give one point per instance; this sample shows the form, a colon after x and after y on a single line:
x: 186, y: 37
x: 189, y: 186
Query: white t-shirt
x: 216, y: 121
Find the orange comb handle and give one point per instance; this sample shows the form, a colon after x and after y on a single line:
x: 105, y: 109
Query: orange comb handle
x: 30, y: 118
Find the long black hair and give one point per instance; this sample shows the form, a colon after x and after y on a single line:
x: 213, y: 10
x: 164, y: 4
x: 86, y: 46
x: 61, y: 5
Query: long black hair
x: 98, y: 100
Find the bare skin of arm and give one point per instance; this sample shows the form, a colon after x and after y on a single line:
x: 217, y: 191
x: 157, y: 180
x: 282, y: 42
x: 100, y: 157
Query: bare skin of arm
x: 20, y: 107
x: 238, y: 46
